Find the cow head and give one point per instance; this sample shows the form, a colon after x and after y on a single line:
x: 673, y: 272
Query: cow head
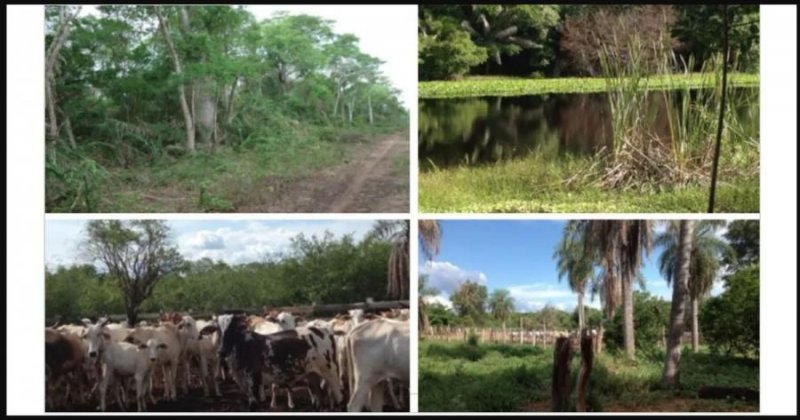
x: 152, y: 347
x: 96, y: 336
x: 286, y: 321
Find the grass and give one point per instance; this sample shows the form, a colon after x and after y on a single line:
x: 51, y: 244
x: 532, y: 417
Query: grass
x: 458, y: 377
x: 536, y: 185
x: 511, y: 86
x: 214, y: 182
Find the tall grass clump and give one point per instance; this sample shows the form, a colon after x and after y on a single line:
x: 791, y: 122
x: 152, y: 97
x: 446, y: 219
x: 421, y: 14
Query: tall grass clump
x: 640, y: 154
x: 73, y: 181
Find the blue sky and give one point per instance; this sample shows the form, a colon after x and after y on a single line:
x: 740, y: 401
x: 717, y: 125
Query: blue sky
x: 515, y: 255
x: 233, y: 241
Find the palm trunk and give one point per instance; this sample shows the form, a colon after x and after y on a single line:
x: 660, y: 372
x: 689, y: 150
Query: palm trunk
x: 581, y: 313
x: 695, y: 326
x: 680, y: 292
x: 627, y: 317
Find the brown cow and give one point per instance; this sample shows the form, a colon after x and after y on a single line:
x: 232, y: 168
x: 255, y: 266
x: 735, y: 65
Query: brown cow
x: 64, y: 362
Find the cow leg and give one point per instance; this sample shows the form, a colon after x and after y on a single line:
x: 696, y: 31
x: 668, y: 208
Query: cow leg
x: 332, y: 381
x: 204, y: 374
x: 139, y: 392
x: 289, y: 396
x: 216, y: 378
x: 392, y: 395
x: 187, y: 376
x: 254, y: 380
x: 104, y: 388
x: 376, y: 397
x: 274, y: 388
x: 361, y: 387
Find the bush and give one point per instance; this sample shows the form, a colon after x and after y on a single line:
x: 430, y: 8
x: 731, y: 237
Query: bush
x: 730, y: 321
x: 651, y: 316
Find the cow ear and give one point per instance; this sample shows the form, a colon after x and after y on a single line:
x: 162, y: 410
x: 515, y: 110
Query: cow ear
x: 162, y: 346
x: 104, y: 321
x: 106, y: 335
x: 87, y: 322
x: 143, y: 346
x: 128, y: 339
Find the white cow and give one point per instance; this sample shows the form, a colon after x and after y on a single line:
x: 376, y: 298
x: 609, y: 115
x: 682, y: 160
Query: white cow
x: 377, y: 351
x: 120, y: 360
x: 205, y: 348
x: 170, y: 358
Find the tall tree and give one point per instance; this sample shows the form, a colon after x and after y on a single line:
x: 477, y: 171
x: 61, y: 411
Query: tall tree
x: 188, y: 119
x: 136, y: 254
x: 501, y: 305
x: 62, y: 30
x: 430, y: 236
x: 707, y: 253
x: 575, y: 264
x: 398, y: 233
x: 680, y: 293
x: 469, y: 301
x: 619, y: 246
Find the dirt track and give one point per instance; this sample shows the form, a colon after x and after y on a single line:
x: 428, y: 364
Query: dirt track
x: 365, y: 184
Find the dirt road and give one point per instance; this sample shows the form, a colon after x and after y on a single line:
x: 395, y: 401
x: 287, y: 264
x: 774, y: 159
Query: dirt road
x: 373, y: 180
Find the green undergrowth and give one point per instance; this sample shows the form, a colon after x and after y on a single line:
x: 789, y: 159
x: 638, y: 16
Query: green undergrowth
x: 462, y: 377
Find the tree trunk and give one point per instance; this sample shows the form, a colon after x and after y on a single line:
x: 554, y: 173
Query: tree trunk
x: 599, y: 343
x: 52, y: 127
x: 680, y: 292
x: 68, y: 127
x: 695, y: 326
x: 369, y: 106
x: 581, y: 313
x: 51, y: 57
x: 231, y: 96
x: 206, y: 111
x: 132, y: 313
x: 176, y: 61
x: 627, y: 317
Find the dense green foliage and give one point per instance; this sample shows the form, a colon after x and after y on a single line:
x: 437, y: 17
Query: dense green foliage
x: 469, y: 302
x: 555, y: 40
x: 134, y: 89
x: 315, y: 270
x: 730, y: 322
x: 500, y: 377
x: 744, y: 237
x: 651, y: 318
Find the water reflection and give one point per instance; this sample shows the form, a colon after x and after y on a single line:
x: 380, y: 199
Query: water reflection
x: 476, y: 131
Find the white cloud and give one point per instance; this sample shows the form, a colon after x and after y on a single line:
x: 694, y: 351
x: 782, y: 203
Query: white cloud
x: 440, y: 299
x: 447, y: 277
x: 234, y: 242
x: 537, y: 295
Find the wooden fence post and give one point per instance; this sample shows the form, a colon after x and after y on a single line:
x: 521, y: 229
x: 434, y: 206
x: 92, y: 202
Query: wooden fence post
x: 561, y: 391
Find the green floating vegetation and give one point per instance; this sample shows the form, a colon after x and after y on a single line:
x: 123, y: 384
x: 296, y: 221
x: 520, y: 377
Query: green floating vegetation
x: 510, y: 86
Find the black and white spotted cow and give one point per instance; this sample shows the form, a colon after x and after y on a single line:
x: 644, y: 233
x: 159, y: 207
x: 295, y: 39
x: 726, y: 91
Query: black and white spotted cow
x: 283, y: 358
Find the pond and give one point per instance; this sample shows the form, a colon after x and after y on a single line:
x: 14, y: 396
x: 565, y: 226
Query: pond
x: 477, y: 131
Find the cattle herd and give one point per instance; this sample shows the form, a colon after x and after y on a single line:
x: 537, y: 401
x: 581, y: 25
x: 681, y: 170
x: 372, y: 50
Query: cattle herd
x: 355, y: 361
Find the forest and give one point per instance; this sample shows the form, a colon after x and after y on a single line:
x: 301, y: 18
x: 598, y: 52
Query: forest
x: 179, y: 108
x: 598, y: 108
x: 651, y: 354
x: 317, y: 269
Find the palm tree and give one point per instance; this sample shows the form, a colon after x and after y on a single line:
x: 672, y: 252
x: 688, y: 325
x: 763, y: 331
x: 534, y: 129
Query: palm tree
x: 705, y: 261
x: 680, y: 291
x: 430, y: 236
x: 575, y: 264
x: 397, y: 232
x: 619, y: 246
x: 499, y: 37
x: 425, y: 291
x: 501, y: 306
